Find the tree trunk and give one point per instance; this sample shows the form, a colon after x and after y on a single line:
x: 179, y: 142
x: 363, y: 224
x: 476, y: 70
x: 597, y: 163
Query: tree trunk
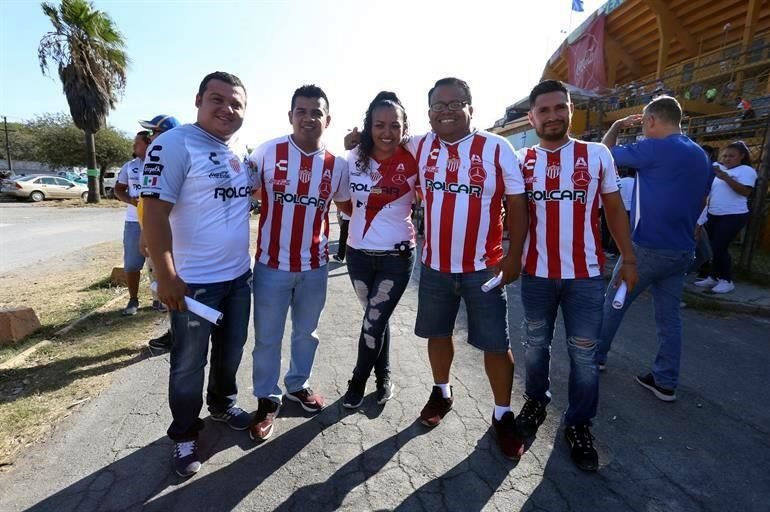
x: 102, y: 170
x: 93, y: 172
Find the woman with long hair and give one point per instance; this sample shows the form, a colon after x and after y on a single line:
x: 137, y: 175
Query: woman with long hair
x: 382, y: 178
x: 728, y: 212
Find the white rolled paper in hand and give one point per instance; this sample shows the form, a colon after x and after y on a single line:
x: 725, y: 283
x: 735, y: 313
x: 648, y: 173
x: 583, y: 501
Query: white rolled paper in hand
x: 492, y: 283
x: 620, y: 296
x: 198, y: 308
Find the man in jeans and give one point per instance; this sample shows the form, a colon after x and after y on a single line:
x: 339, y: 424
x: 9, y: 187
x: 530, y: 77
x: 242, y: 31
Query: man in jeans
x: 563, y: 262
x: 298, y: 178
x: 196, y: 197
x: 673, y: 178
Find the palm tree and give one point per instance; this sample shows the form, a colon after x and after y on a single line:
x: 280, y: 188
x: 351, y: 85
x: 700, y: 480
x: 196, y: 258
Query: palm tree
x: 89, y: 51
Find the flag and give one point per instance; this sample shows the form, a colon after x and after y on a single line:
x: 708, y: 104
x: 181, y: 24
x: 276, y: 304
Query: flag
x: 577, y: 5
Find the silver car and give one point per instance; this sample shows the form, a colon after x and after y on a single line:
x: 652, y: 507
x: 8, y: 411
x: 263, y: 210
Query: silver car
x: 38, y: 188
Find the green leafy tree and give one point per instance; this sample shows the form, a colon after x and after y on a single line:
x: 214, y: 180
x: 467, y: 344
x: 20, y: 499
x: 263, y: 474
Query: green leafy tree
x: 91, y: 62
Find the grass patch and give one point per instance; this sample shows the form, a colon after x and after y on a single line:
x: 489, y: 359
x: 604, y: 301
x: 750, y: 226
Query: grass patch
x: 54, y: 380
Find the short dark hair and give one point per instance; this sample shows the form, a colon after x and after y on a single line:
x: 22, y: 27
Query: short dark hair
x: 666, y: 108
x: 545, y: 87
x: 309, y: 91
x: 222, y: 77
x: 452, y: 81
x: 145, y: 135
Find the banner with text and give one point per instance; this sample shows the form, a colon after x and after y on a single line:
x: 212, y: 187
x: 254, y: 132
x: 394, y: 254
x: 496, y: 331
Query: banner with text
x: 585, y: 58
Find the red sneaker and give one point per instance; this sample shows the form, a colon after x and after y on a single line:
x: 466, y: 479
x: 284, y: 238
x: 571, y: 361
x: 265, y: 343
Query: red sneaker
x: 261, y: 427
x: 436, y: 408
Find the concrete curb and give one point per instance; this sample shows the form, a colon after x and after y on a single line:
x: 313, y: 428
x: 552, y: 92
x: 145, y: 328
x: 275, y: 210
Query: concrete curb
x: 700, y: 299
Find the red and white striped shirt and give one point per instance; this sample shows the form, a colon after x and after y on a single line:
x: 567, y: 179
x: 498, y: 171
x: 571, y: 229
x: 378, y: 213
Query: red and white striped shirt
x: 296, y: 191
x: 563, y: 187
x: 464, y: 185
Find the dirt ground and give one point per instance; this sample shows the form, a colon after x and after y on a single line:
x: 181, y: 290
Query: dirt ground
x: 66, y: 371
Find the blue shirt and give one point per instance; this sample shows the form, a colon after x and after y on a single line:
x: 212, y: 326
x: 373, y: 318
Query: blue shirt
x: 674, y: 176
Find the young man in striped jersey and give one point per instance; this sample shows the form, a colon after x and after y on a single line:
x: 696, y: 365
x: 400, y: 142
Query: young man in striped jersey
x: 563, y: 263
x: 297, y: 178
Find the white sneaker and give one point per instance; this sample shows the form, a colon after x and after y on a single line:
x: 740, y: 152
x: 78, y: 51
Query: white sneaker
x: 723, y: 287
x: 708, y: 282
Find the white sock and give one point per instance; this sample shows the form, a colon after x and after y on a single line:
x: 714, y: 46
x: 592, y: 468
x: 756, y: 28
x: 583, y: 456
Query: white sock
x: 500, y: 410
x: 446, y: 391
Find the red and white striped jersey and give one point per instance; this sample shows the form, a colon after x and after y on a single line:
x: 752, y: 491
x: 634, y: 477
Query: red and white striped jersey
x: 464, y: 185
x: 382, y: 198
x: 296, y: 191
x: 563, y: 187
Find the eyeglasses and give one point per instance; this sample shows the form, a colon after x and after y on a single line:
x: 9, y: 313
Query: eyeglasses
x: 452, y: 106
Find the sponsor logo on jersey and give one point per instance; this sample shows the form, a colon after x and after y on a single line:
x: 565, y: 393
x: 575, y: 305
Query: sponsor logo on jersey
x: 553, y: 171
x: 213, y: 158
x: 477, y: 174
x: 363, y: 187
x: 453, y: 165
x: 476, y: 160
x: 325, y: 188
x: 305, y: 175
x: 289, y: 198
x: 401, y: 168
x: 235, y: 164
x: 136, y: 186
x: 581, y: 178
x: 433, y: 155
x: 282, y: 165
x: 430, y: 169
x: 327, y: 174
x: 557, y: 195
x: 453, y: 188
x: 399, y: 179
x: 221, y: 175
x: 153, y: 169
x: 365, y: 205
x: 226, y: 193
x: 279, y: 182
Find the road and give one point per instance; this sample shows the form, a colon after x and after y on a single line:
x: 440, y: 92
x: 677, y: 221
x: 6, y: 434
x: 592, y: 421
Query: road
x: 30, y: 233
x: 708, y: 451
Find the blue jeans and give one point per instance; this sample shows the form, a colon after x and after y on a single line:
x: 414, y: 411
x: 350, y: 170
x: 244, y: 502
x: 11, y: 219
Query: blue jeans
x: 581, y: 307
x: 133, y: 259
x: 379, y: 282
x: 663, y: 271
x: 274, y: 292
x: 190, y: 350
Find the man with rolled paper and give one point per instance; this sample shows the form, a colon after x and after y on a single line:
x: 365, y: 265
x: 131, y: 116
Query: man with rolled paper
x: 672, y: 181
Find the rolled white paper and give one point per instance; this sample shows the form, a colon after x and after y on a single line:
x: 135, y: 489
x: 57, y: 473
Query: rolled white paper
x: 620, y: 296
x: 492, y: 283
x: 199, y: 308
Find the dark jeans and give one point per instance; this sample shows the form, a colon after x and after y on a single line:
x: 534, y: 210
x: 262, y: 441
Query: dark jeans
x: 722, y: 230
x: 581, y: 306
x: 379, y: 282
x: 343, y: 243
x: 190, y: 350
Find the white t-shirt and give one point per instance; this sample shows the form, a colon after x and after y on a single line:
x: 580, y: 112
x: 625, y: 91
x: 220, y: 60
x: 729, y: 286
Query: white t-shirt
x: 563, y: 189
x: 627, y: 191
x: 296, y: 191
x: 726, y: 201
x: 209, y: 186
x: 382, y: 197
x: 464, y: 185
x: 131, y: 176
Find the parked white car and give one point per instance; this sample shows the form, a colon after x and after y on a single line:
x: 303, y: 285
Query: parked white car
x: 110, y: 179
x: 38, y: 188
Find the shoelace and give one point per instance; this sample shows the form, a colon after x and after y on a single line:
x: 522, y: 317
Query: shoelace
x: 185, y: 448
x: 530, y: 409
x: 234, y: 411
x: 583, y: 437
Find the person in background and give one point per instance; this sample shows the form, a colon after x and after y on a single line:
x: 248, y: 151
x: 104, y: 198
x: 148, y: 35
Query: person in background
x: 343, y: 219
x: 728, y: 212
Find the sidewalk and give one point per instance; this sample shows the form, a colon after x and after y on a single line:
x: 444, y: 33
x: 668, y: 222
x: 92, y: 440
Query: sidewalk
x: 705, y: 452
x: 748, y: 298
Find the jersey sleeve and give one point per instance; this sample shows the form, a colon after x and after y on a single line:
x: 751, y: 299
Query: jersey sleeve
x: 637, y: 155
x: 411, y: 144
x: 123, y: 174
x: 746, y: 176
x: 341, y: 169
x: 165, y: 168
x: 609, y: 174
x: 512, y: 175
x: 255, y: 163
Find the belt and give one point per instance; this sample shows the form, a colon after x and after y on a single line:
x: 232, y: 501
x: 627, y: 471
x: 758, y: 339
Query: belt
x: 392, y: 252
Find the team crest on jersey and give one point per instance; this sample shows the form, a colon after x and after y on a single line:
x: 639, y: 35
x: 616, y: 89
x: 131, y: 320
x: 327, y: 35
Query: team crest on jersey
x: 477, y: 174
x: 305, y: 175
x: 399, y: 179
x: 553, y: 171
x: 453, y: 165
x: 235, y: 164
x: 581, y: 178
x: 401, y: 168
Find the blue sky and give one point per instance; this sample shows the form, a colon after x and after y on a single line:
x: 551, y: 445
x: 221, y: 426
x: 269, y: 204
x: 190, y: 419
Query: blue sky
x: 352, y: 49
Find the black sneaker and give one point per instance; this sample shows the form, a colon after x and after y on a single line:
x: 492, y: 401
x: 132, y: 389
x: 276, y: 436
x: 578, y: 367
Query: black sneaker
x: 581, y: 444
x: 354, y: 396
x: 261, y: 427
x: 508, y: 438
x: 532, y: 415
x: 648, y: 381
x: 384, y: 390
x: 235, y: 417
x: 436, y: 408
x: 160, y: 345
x: 186, y: 459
